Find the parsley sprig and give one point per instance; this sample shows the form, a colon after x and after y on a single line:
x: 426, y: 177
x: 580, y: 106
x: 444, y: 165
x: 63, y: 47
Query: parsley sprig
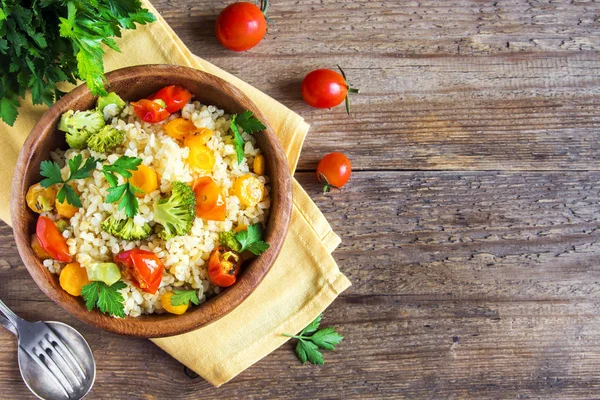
x: 251, y: 240
x: 108, y: 299
x: 51, y: 171
x: 249, y: 124
x: 124, y: 193
x: 184, y: 297
x: 312, y: 338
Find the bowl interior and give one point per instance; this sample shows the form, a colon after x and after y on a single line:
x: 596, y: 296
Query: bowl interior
x: 132, y: 84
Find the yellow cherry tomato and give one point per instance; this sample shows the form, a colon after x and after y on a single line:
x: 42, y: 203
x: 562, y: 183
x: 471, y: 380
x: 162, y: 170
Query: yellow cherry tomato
x: 249, y: 190
x: 40, y: 199
x: 166, y: 303
x: 145, y: 179
x: 72, y: 278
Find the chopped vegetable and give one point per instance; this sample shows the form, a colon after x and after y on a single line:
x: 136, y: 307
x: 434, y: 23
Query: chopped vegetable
x: 106, y: 272
x: 241, y: 26
x: 51, y: 171
x: 251, y: 240
x: 334, y: 170
x: 198, y: 137
x: 210, y: 202
x: 228, y: 240
x: 125, y: 193
x: 41, y: 199
x: 249, y: 189
x: 152, y: 111
x: 201, y: 158
x: 108, y: 299
x: 145, y: 179
x: 174, y: 97
x: 106, y: 140
x: 37, y: 248
x: 80, y: 126
x: 176, y: 213
x: 73, y: 278
x: 46, y: 42
x: 166, y: 302
x: 223, y: 266
x: 64, y: 209
x: 259, y: 165
x: 311, y: 339
x: 240, y: 228
x: 115, y: 103
x: 179, y: 128
x: 248, y: 124
x: 62, y: 225
x: 145, y: 268
x: 126, y: 229
x: 51, y: 240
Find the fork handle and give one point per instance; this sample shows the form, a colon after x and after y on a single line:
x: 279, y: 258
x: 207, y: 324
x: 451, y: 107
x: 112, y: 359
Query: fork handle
x: 12, y: 317
x: 7, y: 324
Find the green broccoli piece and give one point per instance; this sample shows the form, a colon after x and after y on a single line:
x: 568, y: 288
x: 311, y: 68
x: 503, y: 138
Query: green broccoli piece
x: 126, y: 228
x: 228, y: 239
x: 106, y: 140
x: 80, y: 125
x: 176, y: 213
x: 114, y: 103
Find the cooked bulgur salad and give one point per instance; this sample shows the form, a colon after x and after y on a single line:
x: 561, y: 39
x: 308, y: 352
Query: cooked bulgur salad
x: 155, y: 205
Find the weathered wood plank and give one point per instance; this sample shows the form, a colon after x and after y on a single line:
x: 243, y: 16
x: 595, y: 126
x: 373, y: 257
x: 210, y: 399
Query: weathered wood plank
x: 466, y: 285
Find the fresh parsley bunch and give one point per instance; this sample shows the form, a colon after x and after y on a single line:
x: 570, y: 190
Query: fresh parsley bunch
x: 312, y: 338
x: 44, y: 42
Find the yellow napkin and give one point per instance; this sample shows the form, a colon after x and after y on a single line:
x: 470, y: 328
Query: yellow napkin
x: 303, y: 281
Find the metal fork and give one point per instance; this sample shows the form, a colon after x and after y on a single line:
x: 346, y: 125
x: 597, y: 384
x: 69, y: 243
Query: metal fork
x: 58, y: 352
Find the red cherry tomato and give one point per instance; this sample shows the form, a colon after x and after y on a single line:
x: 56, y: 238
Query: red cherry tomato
x: 144, y: 267
x: 223, y: 266
x: 52, y: 240
x: 324, y: 88
x: 240, y: 26
x: 150, y: 110
x: 175, y: 97
x: 334, y: 170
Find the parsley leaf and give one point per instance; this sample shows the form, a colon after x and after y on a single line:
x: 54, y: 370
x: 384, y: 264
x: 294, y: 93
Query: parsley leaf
x: 184, y: 297
x: 249, y: 124
x: 108, y: 299
x: 251, y: 239
x: 43, y: 43
x: 53, y: 176
x: 307, y: 348
x: 124, y: 193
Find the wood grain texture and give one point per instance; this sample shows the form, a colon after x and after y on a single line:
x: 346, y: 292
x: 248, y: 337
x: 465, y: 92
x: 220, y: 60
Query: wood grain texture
x: 470, y: 227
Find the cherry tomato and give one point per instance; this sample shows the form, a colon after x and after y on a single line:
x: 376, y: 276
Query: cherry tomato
x: 324, y: 88
x: 151, y: 110
x: 175, y: 97
x: 334, y: 169
x: 223, y: 266
x: 51, y: 240
x: 210, y: 202
x: 144, y: 267
x: 240, y: 26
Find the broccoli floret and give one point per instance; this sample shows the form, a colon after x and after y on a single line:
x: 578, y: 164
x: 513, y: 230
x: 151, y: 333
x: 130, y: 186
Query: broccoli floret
x: 228, y: 239
x: 80, y: 125
x: 106, y: 140
x: 176, y: 213
x: 115, y: 102
x: 126, y: 228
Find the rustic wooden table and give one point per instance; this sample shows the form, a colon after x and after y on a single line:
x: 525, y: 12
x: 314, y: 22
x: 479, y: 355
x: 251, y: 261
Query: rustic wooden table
x: 470, y: 225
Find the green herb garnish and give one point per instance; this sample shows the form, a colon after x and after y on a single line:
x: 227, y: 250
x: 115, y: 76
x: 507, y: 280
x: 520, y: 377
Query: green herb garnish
x: 251, y: 240
x: 108, y: 299
x: 249, y: 124
x: 311, y: 339
x: 46, y: 42
x: 51, y: 171
x: 124, y: 193
x: 184, y: 297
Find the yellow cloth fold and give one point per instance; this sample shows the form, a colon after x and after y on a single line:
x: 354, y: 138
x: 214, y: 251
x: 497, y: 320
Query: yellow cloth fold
x: 304, y: 280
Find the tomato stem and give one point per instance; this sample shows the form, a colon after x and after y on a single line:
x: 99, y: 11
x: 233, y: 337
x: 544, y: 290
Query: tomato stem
x: 350, y: 90
x: 264, y: 7
x: 327, y: 186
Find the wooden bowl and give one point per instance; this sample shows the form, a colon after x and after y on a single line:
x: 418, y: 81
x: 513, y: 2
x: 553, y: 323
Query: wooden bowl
x: 132, y: 84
